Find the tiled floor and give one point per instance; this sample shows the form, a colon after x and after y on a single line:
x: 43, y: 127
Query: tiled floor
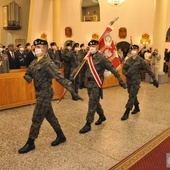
x: 100, y: 148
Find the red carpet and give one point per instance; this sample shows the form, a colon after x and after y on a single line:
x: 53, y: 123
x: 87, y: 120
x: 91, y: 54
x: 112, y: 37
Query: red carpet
x: 151, y: 156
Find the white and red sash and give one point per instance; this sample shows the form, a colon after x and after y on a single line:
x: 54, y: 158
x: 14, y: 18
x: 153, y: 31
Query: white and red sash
x: 94, y: 72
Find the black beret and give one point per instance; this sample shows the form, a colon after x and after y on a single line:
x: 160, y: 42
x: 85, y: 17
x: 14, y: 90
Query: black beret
x: 68, y: 44
x: 93, y: 42
x: 134, y: 47
x: 76, y: 45
x: 81, y: 45
x: 40, y: 42
x: 11, y: 45
x: 19, y: 45
x: 53, y: 44
x: 27, y: 44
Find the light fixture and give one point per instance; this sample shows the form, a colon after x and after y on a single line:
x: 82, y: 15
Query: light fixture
x: 116, y: 2
x: 145, y: 39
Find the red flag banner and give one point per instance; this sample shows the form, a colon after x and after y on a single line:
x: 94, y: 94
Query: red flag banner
x: 108, y: 48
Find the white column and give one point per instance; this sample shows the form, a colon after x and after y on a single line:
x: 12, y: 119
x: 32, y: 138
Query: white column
x: 30, y: 21
x: 160, y: 28
x: 40, y: 20
x: 56, y: 7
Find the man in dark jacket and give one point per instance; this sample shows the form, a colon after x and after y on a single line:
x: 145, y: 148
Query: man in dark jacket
x: 13, y: 58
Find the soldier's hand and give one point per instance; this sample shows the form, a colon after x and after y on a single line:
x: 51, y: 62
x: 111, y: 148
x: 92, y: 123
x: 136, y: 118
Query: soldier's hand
x: 155, y: 83
x: 122, y: 84
x: 75, y: 96
x: 72, y: 80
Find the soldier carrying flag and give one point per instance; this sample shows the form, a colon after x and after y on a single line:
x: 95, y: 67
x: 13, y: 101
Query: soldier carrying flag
x: 97, y: 63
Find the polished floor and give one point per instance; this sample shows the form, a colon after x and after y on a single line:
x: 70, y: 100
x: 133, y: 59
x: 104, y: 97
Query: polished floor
x: 99, y: 149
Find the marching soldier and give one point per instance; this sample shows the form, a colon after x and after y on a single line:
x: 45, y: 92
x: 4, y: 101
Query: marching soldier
x: 42, y: 70
x: 97, y: 63
x: 132, y: 69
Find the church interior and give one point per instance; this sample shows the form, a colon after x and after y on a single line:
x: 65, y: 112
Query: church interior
x: 144, y: 23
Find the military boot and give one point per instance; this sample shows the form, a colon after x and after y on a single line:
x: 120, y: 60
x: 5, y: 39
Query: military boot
x: 126, y: 114
x: 136, y: 109
x: 100, y: 120
x: 27, y: 147
x: 60, y: 138
x: 86, y: 128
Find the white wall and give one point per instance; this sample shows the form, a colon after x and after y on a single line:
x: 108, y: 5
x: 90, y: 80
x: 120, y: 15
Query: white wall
x: 136, y: 18
x: 40, y: 19
x: 9, y: 36
x: 135, y: 15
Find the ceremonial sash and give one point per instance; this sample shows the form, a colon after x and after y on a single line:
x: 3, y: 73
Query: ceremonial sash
x: 94, y: 72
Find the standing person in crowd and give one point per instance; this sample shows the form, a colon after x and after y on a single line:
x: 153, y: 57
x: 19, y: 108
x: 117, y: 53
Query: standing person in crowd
x: 66, y: 59
x: 13, y: 58
x: 30, y: 56
x: 147, y: 55
x: 42, y: 70
x: 21, y: 54
x: 97, y: 63
x: 132, y: 69
x: 27, y: 48
x: 54, y: 54
x: 4, y: 63
x: 166, y: 59
x: 142, y: 52
x: 154, y: 62
x: 82, y: 73
x: 120, y: 54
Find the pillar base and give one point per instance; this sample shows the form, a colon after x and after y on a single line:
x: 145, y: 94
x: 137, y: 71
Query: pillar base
x: 162, y: 78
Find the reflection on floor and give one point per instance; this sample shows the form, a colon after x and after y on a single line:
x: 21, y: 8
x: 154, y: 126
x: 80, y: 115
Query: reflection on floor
x: 99, y: 149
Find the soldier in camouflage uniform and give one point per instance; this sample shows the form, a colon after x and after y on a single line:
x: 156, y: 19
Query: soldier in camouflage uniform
x: 55, y: 54
x: 4, y: 63
x: 42, y: 70
x: 94, y: 91
x: 66, y: 59
x: 132, y: 69
x: 82, y: 74
x: 74, y: 63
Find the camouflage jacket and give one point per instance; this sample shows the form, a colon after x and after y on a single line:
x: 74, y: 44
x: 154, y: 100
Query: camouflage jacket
x: 133, y: 67
x: 4, y: 63
x: 100, y: 63
x: 42, y: 73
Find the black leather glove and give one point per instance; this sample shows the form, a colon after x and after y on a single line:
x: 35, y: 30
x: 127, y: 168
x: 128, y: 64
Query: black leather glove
x: 155, y: 83
x: 72, y: 80
x: 127, y: 74
x: 75, y: 96
x: 122, y: 84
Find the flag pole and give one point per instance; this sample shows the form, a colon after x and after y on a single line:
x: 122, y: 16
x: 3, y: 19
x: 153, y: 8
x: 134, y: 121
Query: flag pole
x: 85, y: 59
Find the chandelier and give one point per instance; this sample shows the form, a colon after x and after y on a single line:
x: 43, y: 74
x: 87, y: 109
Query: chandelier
x: 116, y: 2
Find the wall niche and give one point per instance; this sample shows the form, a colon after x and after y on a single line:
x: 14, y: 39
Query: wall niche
x: 90, y: 10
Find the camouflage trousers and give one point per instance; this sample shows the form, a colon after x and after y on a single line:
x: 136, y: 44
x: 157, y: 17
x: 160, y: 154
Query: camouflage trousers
x: 133, y: 90
x: 43, y: 109
x: 93, y: 104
